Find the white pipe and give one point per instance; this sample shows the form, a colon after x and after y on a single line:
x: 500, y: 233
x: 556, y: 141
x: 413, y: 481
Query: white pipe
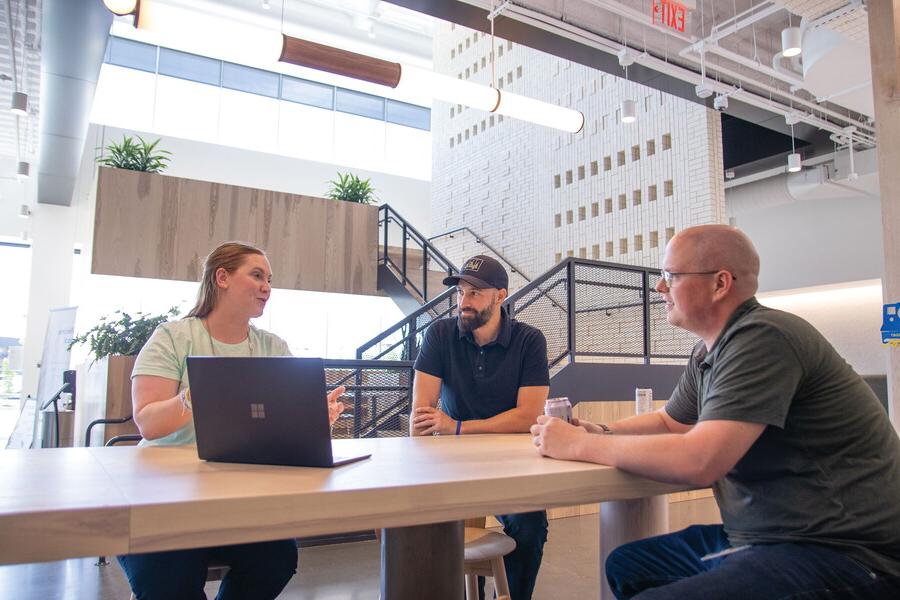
x: 787, y: 74
x: 724, y: 29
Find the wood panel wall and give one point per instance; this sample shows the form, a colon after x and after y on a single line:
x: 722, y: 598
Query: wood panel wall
x: 157, y: 226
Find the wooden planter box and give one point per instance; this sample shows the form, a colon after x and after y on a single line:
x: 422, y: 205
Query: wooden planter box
x: 104, y: 392
x: 148, y: 225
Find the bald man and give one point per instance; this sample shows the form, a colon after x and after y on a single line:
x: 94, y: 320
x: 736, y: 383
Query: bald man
x: 801, y: 456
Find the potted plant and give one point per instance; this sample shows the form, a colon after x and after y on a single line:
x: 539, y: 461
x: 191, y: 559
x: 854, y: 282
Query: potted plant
x: 350, y: 188
x: 104, y: 382
x: 135, y: 156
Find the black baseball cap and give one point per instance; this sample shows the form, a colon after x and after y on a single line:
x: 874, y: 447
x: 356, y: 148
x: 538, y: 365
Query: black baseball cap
x: 482, y: 272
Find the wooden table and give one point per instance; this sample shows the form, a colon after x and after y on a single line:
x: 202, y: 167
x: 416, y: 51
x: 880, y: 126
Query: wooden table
x: 74, y: 502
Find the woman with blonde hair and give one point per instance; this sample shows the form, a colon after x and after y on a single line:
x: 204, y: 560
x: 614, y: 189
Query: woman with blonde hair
x: 235, y: 287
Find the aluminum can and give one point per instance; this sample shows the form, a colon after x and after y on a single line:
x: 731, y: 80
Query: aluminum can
x: 643, y: 400
x: 559, y: 407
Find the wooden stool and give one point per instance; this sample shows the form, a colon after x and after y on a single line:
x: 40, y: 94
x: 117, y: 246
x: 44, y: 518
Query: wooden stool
x: 484, y: 556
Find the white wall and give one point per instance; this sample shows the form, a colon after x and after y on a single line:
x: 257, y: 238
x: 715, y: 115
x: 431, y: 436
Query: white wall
x: 848, y: 315
x: 815, y: 242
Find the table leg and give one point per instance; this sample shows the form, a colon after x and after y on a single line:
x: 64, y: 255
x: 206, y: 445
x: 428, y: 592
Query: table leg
x: 624, y: 521
x: 424, y: 561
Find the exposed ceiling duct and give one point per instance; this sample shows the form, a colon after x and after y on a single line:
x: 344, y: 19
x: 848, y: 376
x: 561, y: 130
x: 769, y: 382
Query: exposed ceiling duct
x: 74, y: 34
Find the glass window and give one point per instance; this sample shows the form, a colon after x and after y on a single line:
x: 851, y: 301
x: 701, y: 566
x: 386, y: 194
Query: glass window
x: 131, y: 54
x: 189, y: 66
x: 248, y: 79
x: 358, y: 103
x: 307, y: 92
x: 410, y: 115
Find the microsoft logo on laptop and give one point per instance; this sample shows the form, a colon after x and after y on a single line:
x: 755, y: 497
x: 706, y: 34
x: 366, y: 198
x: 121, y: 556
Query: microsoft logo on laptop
x: 258, y: 411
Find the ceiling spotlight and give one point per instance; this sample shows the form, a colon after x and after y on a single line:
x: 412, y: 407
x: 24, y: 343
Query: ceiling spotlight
x: 625, y: 58
x: 703, y: 90
x: 121, y: 7
x: 628, y: 113
x: 729, y: 174
x: 22, y: 170
x: 793, y: 162
x: 24, y: 211
x: 720, y: 102
x: 791, y: 41
x: 19, y: 104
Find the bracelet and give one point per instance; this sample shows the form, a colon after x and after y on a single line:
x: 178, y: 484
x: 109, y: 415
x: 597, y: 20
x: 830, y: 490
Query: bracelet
x: 185, y: 395
x: 458, y: 427
x: 606, y: 430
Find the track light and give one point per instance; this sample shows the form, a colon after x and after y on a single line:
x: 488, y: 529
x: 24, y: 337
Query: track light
x: 791, y: 41
x: 22, y: 170
x: 19, y: 104
x: 24, y: 211
x: 628, y: 113
x: 793, y: 162
x: 720, y: 102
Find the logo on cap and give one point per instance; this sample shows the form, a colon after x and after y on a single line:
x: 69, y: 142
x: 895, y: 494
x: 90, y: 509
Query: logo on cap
x: 473, y: 264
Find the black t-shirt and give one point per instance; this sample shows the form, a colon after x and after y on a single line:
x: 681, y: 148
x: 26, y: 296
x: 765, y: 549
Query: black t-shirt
x: 482, y: 382
x: 826, y: 469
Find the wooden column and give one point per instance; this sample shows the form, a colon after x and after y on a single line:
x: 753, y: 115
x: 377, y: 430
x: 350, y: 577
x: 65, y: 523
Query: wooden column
x: 624, y: 521
x: 423, y: 561
x: 884, y: 46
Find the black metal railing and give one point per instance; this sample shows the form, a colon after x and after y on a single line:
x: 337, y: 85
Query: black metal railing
x: 410, y: 255
x: 377, y: 399
x: 586, y: 309
x: 461, y: 243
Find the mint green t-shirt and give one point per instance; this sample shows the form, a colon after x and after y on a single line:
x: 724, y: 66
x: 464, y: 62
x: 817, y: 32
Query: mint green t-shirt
x: 165, y: 355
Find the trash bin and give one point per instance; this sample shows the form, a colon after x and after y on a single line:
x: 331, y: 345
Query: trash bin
x: 66, y: 428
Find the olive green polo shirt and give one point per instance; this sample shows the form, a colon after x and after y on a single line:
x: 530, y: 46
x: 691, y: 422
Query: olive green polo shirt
x: 825, y: 469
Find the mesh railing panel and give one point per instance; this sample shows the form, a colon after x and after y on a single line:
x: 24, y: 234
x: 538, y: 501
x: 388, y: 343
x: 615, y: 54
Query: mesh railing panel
x: 546, y: 306
x: 461, y: 245
x: 377, y: 399
x: 666, y: 340
x: 404, y: 343
x: 609, y: 311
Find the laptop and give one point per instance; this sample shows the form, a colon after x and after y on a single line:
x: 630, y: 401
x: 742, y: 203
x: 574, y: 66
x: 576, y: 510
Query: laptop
x: 262, y: 410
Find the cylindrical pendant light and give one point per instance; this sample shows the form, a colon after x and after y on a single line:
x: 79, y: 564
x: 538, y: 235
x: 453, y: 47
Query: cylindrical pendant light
x: 19, y: 104
x: 791, y: 41
x: 120, y: 7
x: 542, y: 113
x: 449, y: 89
x: 628, y: 111
x: 794, y: 163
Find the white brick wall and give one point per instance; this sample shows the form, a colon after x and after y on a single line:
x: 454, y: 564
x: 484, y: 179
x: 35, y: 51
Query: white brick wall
x: 499, y: 180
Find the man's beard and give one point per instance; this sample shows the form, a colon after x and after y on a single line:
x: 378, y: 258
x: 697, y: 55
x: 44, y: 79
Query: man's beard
x: 472, y: 321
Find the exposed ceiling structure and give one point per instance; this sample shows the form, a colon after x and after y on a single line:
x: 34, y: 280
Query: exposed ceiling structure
x: 20, y: 33
x: 726, y: 48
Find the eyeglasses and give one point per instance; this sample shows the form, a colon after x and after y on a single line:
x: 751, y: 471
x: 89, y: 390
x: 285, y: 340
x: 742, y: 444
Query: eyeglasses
x: 669, y: 276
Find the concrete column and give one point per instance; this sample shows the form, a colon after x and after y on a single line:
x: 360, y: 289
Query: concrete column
x: 52, y: 241
x: 884, y: 45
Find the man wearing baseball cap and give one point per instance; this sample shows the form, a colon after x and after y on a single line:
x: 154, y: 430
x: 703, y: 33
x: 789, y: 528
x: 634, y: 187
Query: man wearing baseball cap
x: 490, y: 374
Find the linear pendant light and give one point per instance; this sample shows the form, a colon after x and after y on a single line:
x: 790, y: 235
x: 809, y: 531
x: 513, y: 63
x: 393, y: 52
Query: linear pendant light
x: 456, y: 91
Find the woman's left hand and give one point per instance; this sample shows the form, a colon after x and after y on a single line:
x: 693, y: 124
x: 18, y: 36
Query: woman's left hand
x: 335, y: 408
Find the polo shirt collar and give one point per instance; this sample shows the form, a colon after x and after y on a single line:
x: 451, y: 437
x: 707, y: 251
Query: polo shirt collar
x: 503, y: 337
x: 705, y: 358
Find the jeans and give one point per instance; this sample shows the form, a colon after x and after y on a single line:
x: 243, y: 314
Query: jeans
x: 670, y: 566
x: 257, y: 571
x: 522, y: 564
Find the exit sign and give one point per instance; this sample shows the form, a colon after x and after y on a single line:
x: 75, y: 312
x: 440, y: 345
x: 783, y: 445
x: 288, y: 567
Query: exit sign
x: 670, y: 13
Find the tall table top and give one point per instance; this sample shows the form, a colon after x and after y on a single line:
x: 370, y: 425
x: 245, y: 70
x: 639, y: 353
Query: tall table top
x: 70, y: 502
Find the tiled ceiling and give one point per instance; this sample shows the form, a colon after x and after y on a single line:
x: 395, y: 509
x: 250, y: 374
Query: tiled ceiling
x: 20, y: 135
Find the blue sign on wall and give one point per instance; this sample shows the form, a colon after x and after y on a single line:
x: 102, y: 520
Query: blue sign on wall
x: 890, y: 327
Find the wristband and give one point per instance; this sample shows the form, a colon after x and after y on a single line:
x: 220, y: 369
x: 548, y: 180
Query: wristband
x: 185, y: 396
x: 458, y: 427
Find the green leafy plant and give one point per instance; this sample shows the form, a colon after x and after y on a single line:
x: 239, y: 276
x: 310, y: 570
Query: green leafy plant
x: 120, y: 333
x: 135, y: 155
x: 351, y: 188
